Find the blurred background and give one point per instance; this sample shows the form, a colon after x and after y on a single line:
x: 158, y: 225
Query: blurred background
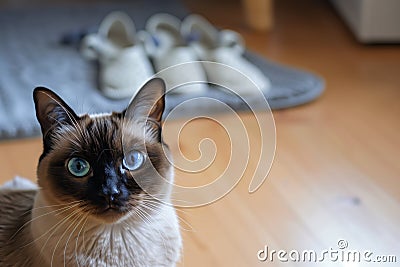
x: 336, y: 171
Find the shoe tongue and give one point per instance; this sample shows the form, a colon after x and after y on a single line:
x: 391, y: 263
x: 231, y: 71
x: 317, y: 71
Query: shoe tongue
x: 205, y: 34
x: 168, y: 35
x: 168, y: 39
x: 120, y: 36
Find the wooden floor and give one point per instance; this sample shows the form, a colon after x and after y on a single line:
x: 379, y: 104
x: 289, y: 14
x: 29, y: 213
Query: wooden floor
x: 336, y: 174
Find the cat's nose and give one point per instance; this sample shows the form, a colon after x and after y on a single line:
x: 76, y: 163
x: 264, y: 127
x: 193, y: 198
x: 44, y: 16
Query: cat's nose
x: 111, y: 194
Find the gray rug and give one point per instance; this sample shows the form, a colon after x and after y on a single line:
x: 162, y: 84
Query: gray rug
x: 31, y: 55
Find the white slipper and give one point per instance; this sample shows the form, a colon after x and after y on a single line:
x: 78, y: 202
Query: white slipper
x: 124, y: 65
x: 224, y: 47
x: 165, y: 45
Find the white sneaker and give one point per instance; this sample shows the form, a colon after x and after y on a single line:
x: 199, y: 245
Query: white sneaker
x: 225, y: 47
x: 165, y: 45
x: 124, y: 65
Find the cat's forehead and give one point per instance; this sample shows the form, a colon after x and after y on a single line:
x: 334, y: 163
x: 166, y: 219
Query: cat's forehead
x: 113, y: 128
x: 95, y: 133
x: 91, y: 133
x: 108, y: 122
x: 100, y: 130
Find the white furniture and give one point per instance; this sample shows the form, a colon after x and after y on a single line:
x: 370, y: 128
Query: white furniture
x: 372, y: 21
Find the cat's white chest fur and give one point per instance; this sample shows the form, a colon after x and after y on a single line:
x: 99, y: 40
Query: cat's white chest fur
x: 79, y: 242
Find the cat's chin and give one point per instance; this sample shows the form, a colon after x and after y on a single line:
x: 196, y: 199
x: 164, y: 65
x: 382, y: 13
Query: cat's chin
x: 109, y: 215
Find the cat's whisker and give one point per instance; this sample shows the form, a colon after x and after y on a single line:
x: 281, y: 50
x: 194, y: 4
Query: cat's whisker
x: 85, y: 210
x: 129, y: 231
x: 33, y: 241
x: 137, y: 214
x: 77, y: 239
x: 150, y: 220
x: 69, y: 237
x: 170, y: 197
x: 73, y: 220
x: 54, y: 228
x: 57, y: 205
x: 155, y: 207
x: 155, y: 200
x: 51, y: 206
x: 93, y: 242
x: 63, y: 209
x: 62, y: 236
x: 84, y: 241
x: 76, y: 205
x: 144, y: 216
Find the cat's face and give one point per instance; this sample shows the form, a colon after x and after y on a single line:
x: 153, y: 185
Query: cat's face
x: 111, y: 164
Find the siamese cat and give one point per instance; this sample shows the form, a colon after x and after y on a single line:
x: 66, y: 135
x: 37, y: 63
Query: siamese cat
x: 104, y: 189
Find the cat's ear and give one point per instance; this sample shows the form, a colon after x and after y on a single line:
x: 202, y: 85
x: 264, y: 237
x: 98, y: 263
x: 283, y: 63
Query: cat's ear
x: 148, y: 104
x: 51, y: 111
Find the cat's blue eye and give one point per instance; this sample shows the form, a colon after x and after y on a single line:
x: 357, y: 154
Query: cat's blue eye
x: 133, y: 160
x: 78, y: 167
